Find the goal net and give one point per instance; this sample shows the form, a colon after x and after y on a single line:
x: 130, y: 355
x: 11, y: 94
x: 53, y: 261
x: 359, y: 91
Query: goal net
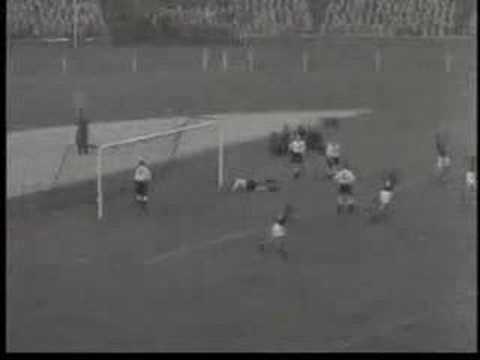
x: 185, y: 159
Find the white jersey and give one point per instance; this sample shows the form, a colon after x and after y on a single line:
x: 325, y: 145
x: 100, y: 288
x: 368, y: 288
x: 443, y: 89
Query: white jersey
x: 278, y: 231
x: 385, y: 196
x: 298, y: 147
x: 471, y: 179
x: 142, y: 174
x: 443, y: 162
x: 333, y: 150
x: 345, y: 177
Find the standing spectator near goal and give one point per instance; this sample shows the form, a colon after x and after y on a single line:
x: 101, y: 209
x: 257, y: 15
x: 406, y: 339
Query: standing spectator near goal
x: 142, y: 179
x: 82, y: 133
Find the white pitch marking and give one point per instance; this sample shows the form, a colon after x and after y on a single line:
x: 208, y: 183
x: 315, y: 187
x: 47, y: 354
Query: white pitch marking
x: 184, y: 250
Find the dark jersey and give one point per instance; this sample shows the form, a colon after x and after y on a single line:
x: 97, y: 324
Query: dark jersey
x: 82, y: 131
x: 251, y: 185
x: 388, y: 185
x: 441, y: 145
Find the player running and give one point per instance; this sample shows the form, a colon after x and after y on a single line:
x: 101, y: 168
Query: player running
x: 250, y: 185
x: 332, y: 156
x: 142, y: 179
x: 345, y: 180
x: 443, y: 158
x: 277, y: 234
x: 276, y: 237
x: 297, y: 149
x: 383, y: 200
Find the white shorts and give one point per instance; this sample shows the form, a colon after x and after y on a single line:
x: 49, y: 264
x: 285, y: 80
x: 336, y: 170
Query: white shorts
x: 443, y: 162
x: 385, y: 197
x: 471, y: 180
x: 277, y: 232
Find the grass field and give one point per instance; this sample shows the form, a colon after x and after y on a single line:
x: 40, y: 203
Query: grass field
x: 125, y: 284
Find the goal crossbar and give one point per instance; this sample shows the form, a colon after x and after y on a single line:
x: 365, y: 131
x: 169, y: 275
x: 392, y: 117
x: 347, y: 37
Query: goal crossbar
x: 155, y: 135
x: 137, y: 139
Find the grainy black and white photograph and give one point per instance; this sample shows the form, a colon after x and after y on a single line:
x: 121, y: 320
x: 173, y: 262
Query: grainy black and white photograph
x: 261, y: 176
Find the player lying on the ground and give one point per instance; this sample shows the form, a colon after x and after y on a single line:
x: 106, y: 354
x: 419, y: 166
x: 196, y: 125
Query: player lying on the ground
x: 142, y: 178
x: 297, y: 149
x: 276, y: 237
x: 332, y: 157
x: 443, y: 159
x: 250, y: 185
x: 345, y: 180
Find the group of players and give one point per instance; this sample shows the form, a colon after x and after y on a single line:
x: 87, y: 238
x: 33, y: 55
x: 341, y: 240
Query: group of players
x: 337, y: 170
x: 342, y: 174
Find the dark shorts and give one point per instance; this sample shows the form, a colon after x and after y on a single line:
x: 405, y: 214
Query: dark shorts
x: 251, y: 185
x: 345, y: 189
x: 296, y: 158
x: 333, y: 161
x: 273, y: 188
x: 388, y: 188
x: 141, y: 188
x: 442, y: 152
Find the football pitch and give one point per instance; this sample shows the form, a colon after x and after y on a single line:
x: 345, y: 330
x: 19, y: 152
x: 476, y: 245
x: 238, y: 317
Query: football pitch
x: 187, y: 277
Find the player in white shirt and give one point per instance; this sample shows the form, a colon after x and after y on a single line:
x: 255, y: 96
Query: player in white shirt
x: 297, y: 149
x: 470, y: 188
x: 345, y: 180
x: 142, y: 178
x: 276, y: 237
x: 383, y: 200
x: 332, y: 156
x: 471, y: 175
x: 471, y: 180
x: 385, y: 195
x: 443, y: 159
x: 277, y: 233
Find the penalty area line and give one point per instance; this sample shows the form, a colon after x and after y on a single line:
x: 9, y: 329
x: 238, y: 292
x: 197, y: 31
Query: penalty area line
x: 185, y: 251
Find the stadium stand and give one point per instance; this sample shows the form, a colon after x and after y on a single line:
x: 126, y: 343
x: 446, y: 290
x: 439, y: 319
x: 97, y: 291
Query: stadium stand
x: 53, y: 18
x: 400, y: 18
x: 246, y: 18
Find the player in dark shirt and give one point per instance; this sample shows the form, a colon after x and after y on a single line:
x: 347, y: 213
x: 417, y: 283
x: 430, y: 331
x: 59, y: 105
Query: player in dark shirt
x: 82, y: 133
x: 443, y: 159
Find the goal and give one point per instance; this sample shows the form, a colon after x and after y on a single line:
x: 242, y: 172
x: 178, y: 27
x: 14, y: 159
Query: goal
x: 115, y: 161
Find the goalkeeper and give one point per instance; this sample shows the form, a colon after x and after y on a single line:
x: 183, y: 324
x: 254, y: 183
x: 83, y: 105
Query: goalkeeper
x: 142, y: 178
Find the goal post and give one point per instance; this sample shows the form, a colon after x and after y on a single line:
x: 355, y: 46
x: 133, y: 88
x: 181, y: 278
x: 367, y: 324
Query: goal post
x: 149, y: 146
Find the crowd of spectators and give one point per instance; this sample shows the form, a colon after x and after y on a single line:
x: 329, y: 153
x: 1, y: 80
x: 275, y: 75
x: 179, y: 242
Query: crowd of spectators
x: 53, y: 18
x: 244, y: 18
x: 396, y: 18
x: 473, y: 24
x: 247, y: 17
